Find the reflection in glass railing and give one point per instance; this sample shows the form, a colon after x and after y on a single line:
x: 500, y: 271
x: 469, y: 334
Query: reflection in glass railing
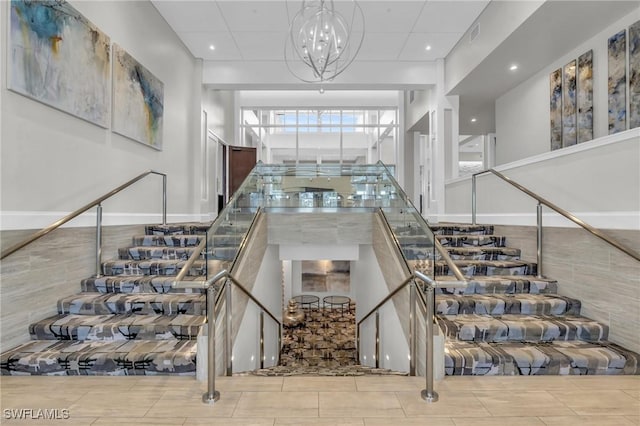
x: 321, y: 187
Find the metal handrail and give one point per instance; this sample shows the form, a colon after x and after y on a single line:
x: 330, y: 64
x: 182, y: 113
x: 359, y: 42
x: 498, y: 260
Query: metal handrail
x: 44, y: 231
x: 201, y: 246
x: 389, y: 229
x: 443, y: 252
x: 552, y: 206
x: 253, y: 298
x: 402, y: 285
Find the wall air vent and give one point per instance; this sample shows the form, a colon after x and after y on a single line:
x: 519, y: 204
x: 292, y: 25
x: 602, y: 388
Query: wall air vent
x: 475, y: 30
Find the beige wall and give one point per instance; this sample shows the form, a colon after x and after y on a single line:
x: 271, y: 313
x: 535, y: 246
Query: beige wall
x: 34, y: 278
x: 604, y: 279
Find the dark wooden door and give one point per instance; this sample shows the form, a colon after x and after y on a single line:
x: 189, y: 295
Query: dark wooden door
x: 241, y: 161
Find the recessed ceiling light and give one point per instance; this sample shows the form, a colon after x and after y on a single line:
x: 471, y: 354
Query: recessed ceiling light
x: 428, y: 47
x: 473, y: 120
x: 212, y: 47
x: 513, y: 67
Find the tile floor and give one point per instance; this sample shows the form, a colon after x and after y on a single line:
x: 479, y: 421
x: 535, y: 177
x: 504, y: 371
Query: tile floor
x: 364, y: 401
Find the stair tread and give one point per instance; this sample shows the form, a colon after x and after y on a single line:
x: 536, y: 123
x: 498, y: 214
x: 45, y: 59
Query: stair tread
x: 461, y: 228
x: 167, y: 240
x: 500, y: 304
x: 462, y: 240
x: 513, y: 327
x: 173, y: 253
x: 501, y: 284
x: 160, y: 266
x: 549, y: 358
x: 117, y: 327
x: 138, y: 284
x: 94, y: 303
x: 123, y: 357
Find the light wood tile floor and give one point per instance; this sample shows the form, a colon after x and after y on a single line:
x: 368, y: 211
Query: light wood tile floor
x: 348, y: 401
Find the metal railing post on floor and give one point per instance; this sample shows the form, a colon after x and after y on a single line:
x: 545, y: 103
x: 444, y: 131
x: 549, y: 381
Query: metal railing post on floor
x: 212, y: 395
x: 539, y: 241
x: 377, y: 339
x: 99, y: 241
x: 473, y: 199
x: 429, y: 394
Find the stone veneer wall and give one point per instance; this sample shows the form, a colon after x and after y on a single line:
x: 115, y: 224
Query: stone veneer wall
x: 35, y: 277
x: 394, y: 270
x: 606, y: 280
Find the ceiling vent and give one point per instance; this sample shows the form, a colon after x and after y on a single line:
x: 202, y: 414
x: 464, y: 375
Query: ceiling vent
x: 473, y: 34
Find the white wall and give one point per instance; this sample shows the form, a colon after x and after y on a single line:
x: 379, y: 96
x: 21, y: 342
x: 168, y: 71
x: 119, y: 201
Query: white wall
x: 597, y: 181
x: 370, y: 288
x: 522, y: 114
x: 497, y: 21
x: 53, y: 163
x: 268, y: 290
x: 220, y: 108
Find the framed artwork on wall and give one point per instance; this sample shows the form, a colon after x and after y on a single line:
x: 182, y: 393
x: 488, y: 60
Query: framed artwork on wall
x: 617, y: 45
x: 555, y: 106
x: 569, y: 128
x: 634, y: 75
x: 326, y: 276
x: 138, y: 100
x: 585, y: 97
x: 58, y: 57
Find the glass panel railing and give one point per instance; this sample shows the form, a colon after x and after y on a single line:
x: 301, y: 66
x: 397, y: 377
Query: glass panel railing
x: 312, y: 187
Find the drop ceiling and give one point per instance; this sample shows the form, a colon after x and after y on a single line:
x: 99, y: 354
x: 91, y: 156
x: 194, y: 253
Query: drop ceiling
x: 242, y: 30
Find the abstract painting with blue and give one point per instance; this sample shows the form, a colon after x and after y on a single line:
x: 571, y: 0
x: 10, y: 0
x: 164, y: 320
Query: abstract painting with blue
x: 57, y: 57
x: 617, y: 46
x: 138, y: 100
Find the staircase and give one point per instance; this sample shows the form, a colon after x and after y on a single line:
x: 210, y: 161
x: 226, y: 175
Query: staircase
x: 128, y: 321
x: 508, y: 321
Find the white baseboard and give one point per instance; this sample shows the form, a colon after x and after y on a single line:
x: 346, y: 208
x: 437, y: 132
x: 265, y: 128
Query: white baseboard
x: 600, y: 220
x: 20, y: 220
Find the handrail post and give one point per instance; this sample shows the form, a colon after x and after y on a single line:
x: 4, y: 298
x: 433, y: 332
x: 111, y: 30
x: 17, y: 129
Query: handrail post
x: 429, y: 394
x: 377, y: 339
x: 413, y: 345
x: 261, y: 339
x: 473, y: 199
x: 539, y: 241
x: 228, y: 328
x: 212, y: 395
x: 164, y: 199
x: 99, y: 241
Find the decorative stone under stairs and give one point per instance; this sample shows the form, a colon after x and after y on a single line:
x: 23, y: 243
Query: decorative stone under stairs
x: 128, y: 321
x: 508, y: 321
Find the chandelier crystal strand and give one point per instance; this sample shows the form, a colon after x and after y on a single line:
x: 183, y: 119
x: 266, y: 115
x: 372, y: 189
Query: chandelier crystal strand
x: 321, y: 40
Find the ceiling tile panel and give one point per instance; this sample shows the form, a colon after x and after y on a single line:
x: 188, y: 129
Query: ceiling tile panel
x: 441, y: 44
x: 390, y: 16
x: 261, y: 45
x: 199, y: 42
x: 449, y: 16
x: 202, y: 15
x: 255, y: 15
x: 381, y: 46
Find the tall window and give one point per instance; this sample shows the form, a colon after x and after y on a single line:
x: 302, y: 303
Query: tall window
x: 323, y: 135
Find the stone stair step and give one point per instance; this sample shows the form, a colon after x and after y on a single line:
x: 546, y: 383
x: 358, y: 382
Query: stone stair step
x: 521, y: 328
x: 177, y: 229
x: 139, y: 304
x: 487, y: 267
x: 167, y: 240
x: 138, y: 284
x: 95, y: 358
x: 117, y: 327
x: 483, y: 253
x: 150, y: 267
x: 502, y: 284
x: 500, y: 304
x: 550, y: 358
x: 463, y: 240
x: 149, y: 253
x: 461, y: 228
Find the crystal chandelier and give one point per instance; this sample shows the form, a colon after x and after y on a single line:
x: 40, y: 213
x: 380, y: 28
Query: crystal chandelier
x: 321, y: 43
